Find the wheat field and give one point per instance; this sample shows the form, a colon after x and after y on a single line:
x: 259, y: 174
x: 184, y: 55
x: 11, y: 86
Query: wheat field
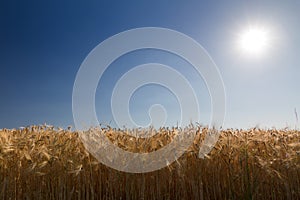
x: 43, y: 162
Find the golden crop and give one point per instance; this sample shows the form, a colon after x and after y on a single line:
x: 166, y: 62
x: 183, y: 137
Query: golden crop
x: 42, y: 162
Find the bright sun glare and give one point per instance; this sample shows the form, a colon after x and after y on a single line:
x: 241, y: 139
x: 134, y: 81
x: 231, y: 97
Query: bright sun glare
x: 254, y: 41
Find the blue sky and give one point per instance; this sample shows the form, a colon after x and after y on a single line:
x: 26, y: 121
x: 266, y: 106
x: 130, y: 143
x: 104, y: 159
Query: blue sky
x: 44, y: 43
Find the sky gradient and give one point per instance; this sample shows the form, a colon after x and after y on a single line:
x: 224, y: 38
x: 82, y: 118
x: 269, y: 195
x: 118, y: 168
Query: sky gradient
x: 44, y: 43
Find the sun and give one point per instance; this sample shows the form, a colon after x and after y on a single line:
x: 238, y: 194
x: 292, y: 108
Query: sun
x: 254, y: 41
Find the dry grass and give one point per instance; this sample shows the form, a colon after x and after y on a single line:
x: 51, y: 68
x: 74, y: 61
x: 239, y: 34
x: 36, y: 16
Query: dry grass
x: 41, y: 162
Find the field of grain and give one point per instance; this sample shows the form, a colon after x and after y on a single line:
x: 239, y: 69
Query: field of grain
x: 42, y: 162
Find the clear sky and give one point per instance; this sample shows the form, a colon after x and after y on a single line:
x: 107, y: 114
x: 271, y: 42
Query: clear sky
x: 43, y: 44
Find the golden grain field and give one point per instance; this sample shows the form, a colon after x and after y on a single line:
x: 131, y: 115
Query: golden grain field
x: 42, y: 162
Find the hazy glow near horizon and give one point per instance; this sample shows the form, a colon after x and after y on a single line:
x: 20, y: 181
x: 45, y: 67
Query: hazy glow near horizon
x: 254, y: 41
